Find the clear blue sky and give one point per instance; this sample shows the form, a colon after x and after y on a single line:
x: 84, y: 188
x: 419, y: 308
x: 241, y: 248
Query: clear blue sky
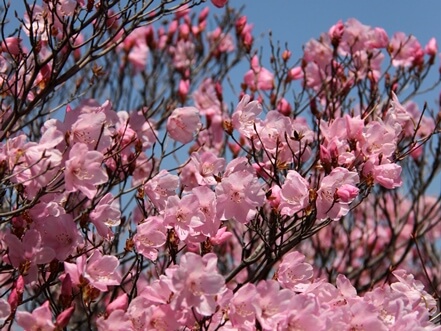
x: 298, y: 21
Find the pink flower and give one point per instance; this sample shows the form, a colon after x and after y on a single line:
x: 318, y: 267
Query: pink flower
x: 242, y: 311
x: 258, y: 78
x: 245, y: 116
x: 5, y: 311
x: 293, y: 273
x: 106, y: 214
x: 59, y: 233
x: 39, y: 320
x: 388, y: 175
x: 27, y: 253
x: 239, y: 195
x: 328, y: 203
x: 150, y: 235
x: 160, y: 187
x: 405, y: 50
x: 294, y: 195
x: 183, y: 124
x: 83, y: 170
x: 183, y: 54
x: 183, y: 214
x: 206, y: 98
x: 196, y: 283
x: 100, y: 270
x: 12, y: 45
x: 207, y: 205
x: 271, y: 303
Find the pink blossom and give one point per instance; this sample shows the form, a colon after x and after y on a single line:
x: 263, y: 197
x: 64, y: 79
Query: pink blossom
x: 12, y: 45
x: 27, y: 253
x: 207, y: 205
x: 245, y: 116
x: 138, y: 56
x: 242, y: 311
x: 117, y: 320
x: 258, y: 78
x: 88, y: 129
x: 145, y: 129
x: 284, y: 107
x: 183, y: 214
x: 294, y: 195
x: 387, y: 175
x: 5, y: 311
x: 293, y: 273
x: 203, y: 166
x: 183, y: 54
x: 183, y: 124
x: 271, y: 303
x: 106, y: 214
x: 328, y: 203
x: 405, y: 50
x: 196, y: 283
x: 160, y: 187
x: 150, y: 236
x: 59, y: 233
x: 206, y: 98
x: 100, y: 270
x: 413, y: 289
x: 83, y: 170
x: 239, y: 195
x: 220, y: 42
x: 39, y: 320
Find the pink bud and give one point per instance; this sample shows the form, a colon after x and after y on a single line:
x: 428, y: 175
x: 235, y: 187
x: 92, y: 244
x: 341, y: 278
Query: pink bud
x: 431, y: 47
x: 286, y: 55
x: 295, y: 73
x: 14, y: 299
x: 347, y: 193
x: 184, y: 31
x: 219, y: 3
x: 336, y: 32
x: 325, y: 156
x: 274, y: 199
x: 64, y: 317
x: 172, y: 28
x: 240, y: 24
x: 221, y: 236
x: 284, y: 107
x: 184, y: 88
x: 66, y: 286
x: 203, y: 14
x: 19, y: 284
x: 121, y: 303
x: 11, y: 45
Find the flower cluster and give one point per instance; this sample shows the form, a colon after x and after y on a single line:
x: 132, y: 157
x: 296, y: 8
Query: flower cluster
x: 150, y: 201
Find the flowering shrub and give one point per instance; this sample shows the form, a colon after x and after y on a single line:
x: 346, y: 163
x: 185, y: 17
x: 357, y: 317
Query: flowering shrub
x: 135, y: 197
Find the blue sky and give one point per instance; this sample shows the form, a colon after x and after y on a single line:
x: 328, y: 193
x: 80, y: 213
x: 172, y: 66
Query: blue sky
x: 296, y: 22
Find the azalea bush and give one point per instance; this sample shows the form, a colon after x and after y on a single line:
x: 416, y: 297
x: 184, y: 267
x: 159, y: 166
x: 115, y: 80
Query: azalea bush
x: 144, y: 187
